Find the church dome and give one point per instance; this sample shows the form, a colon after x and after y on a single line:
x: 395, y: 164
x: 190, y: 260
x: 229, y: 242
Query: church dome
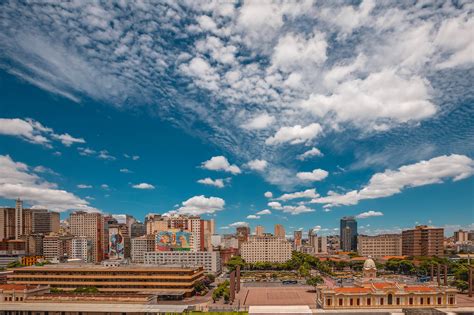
x: 369, y: 264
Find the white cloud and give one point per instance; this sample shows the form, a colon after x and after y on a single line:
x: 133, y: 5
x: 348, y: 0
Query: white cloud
x: 268, y: 194
x: 44, y: 170
x: 309, y: 193
x: 16, y: 180
x: 143, y: 186
x: 261, y: 121
x: 105, y: 186
x: 104, y: 155
x: 295, y: 135
x: 257, y: 165
x: 253, y: 217
x: 220, y: 163
x: 317, y: 228
x: 295, y: 210
x: 84, y: 186
x: 369, y: 214
x: 314, y: 176
x: 388, y: 183
x: 34, y: 132
x: 125, y: 170
x: 263, y: 212
x: 310, y: 153
x: 219, y: 182
x: 86, y: 151
x: 238, y: 224
x: 199, y: 205
x: 275, y: 205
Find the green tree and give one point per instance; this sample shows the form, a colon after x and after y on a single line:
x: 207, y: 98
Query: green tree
x: 461, y: 285
x: 314, y: 281
x: 234, y: 262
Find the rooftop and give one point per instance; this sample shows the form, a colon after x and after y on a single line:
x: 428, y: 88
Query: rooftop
x: 81, y: 267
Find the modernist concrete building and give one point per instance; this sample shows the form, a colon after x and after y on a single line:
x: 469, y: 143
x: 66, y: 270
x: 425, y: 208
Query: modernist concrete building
x: 211, y: 261
x: 266, y: 249
x: 379, y: 245
x: 130, y: 278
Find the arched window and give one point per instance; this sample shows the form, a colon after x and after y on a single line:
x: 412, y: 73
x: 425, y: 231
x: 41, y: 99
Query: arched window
x: 390, y: 299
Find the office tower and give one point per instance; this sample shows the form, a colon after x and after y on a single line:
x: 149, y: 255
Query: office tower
x: 125, y: 219
x: 7, y: 223
x: 138, y: 229
x: 423, y: 241
x: 81, y: 248
x: 279, y: 231
x: 259, y: 230
x: 44, y: 221
x: 379, y: 245
x: 348, y: 234
x: 142, y: 245
x: 297, y: 239
x: 461, y: 236
x: 266, y: 249
x: 470, y: 235
x: 18, y: 218
x: 90, y: 225
x: 34, y: 244
x: 57, y: 247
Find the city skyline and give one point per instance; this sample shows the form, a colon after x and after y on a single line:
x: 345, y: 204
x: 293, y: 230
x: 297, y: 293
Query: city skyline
x: 329, y: 120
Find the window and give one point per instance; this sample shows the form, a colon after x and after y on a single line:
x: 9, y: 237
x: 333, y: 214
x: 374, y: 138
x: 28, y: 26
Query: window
x: 428, y: 300
x: 398, y: 301
x: 381, y: 301
x: 351, y: 301
x: 340, y: 302
x: 421, y: 301
x: 369, y: 301
x: 439, y: 300
x: 451, y: 300
x: 328, y: 302
x: 410, y: 301
x: 358, y: 301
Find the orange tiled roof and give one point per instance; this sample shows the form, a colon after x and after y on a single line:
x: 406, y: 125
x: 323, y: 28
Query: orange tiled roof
x: 394, y: 257
x: 359, y: 259
x: 383, y: 285
x: 415, y: 288
x: 16, y: 287
x: 352, y: 290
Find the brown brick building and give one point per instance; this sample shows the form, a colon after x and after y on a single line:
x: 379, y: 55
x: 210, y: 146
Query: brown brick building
x: 423, y: 241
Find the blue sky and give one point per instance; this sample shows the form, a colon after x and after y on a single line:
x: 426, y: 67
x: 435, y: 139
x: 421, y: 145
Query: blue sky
x: 342, y: 109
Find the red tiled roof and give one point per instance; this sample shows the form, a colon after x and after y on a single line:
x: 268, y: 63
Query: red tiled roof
x: 384, y: 285
x: 352, y: 290
x: 16, y: 287
x: 419, y: 288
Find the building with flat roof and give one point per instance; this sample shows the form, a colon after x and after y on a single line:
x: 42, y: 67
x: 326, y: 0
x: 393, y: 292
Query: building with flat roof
x: 423, y: 241
x: 178, y: 281
x: 379, y: 245
x: 348, y: 234
x: 279, y: 231
x: 211, y: 261
x: 266, y: 249
x: 90, y: 225
x: 141, y: 245
x: 20, y: 292
x: 259, y: 230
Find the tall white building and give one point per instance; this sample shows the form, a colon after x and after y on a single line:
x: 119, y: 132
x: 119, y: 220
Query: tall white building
x: 266, y: 249
x: 319, y: 244
x: 379, y: 245
x: 18, y: 218
x: 141, y: 245
x: 81, y: 248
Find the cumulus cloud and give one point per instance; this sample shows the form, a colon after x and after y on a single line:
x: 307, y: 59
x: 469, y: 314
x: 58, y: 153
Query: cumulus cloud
x: 434, y: 171
x: 104, y: 155
x: 369, y: 214
x: 143, y: 186
x: 295, y: 210
x: 257, y: 165
x: 261, y: 121
x: 275, y: 205
x: 295, y: 135
x: 263, y: 212
x: 219, y: 182
x: 125, y: 170
x: 310, y: 153
x: 268, y: 194
x: 238, y: 224
x: 199, y: 205
x: 253, y: 217
x: 220, y: 163
x: 309, y: 193
x: 314, y: 176
x: 18, y: 180
x: 34, y: 132
x: 84, y: 186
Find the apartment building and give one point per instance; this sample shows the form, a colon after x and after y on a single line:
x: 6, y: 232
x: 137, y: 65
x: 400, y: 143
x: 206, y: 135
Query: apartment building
x: 266, y: 249
x: 279, y: 231
x: 259, y: 230
x: 141, y: 245
x: 90, y: 225
x: 57, y: 247
x: 379, y: 245
x: 423, y: 241
x: 211, y: 261
x: 81, y: 248
x: 297, y: 239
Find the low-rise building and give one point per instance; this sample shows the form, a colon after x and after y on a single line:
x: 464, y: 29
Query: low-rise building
x: 266, y: 249
x: 175, y: 281
x: 379, y: 245
x: 20, y: 292
x: 210, y: 261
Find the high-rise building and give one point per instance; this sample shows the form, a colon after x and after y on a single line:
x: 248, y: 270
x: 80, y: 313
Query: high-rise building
x: 423, y: 241
x: 279, y: 231
x: 126, y: 220
x: 57, y: 247
x: 34, y: 244
x: 155, y: 223
x: 81, y: 248
x: 379, y: 245
x: 319, y: 244
x: 207, y: 235
x: 119, y: 241
x: 470, y: 235
x: 44, y: 221
x: 348, y: 234
x: 259, y: 230
x: 142, y: 245
x: 266, y: 249
x: 297, y: 239
x: 243, y: 233
x: 461, y: 236
x: 18, y: 219
x: 138, y: 229
x: 91, y: 225
x: 7, y: 223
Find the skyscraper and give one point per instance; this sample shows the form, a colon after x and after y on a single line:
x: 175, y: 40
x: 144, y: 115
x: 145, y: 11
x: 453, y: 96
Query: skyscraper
x: 89, y: 225
x: 18, y: 218
x: 279, y: 231
x: 348, y: 234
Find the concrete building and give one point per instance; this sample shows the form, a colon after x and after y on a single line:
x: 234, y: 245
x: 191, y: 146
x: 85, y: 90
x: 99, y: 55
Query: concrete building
x: 7, y: 223
x: 461, y: 236
x: 10, y: 293
x: 141, y: 245
x: 297, y: 239
x: 423, y: 241
x: 266, y: 249
x: 89, y: 225
x: 42, y: 221
x: 319, y: 244
x: 155, y: 223
x: 119, y: 241
x: 210, y: 261
x: 170, y: 281
x: 348, y: 234
x: 34, y: 244
x: 243, y: 233
x: 259, y: 230
x: 138, y: 229
x: 57, y: 247
x: 379, y: 245
x: 81, y: 248
x: 279, y: 231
